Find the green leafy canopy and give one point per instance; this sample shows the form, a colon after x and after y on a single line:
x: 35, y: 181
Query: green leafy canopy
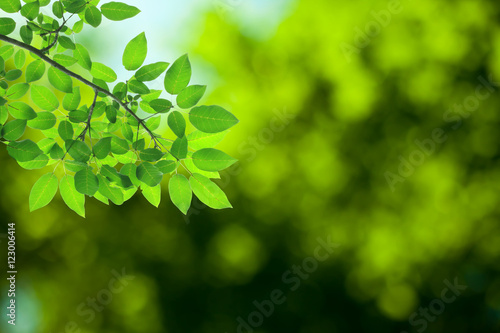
x: 111, y: 144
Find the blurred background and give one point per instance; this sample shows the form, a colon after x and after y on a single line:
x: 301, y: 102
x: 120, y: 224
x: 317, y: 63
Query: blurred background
x: 369, y: 125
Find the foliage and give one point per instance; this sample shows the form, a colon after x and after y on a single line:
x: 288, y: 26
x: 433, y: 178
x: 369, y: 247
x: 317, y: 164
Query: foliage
x: 108, y: 149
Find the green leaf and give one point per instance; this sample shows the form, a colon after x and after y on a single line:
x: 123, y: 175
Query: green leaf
x: 166, y: 166
x: 2, y: 65
x: 71, y: 197
x: 59, y: 80
x: 112, y: 193
x: 188, y: 162
x: 151, y: 72
x: 24, y: 151
x: 13, y: 75
x: 81, y: 54
x: 208, y: 192
x: 14, y: 129
x: 118, y: 11
x: 30, y: 10
x: 44, y: 98
x: 56, y: 152
x: 78, y: 150
x: 119, y: 146
x: 43, y: 121
x: 127, y: 132
x: 199, y: 140
x: 152, y: 194
x: 111, y: 113
x: 18, y: 90
x: 212, y: 119
x: 35, y: 71
x: 65, y: 60
x: 190, y: 96
x: 20, y: 110
x: 46, y: 144
x: 74, y: 166
x: 7, y: 25
x: 138, y: 87
x: 26, y: 34
x: 177, y: 123
x: 93, y: 16
x: 210, y: 159
x: 74, y: 6
x: 78, y: 26
x: 153, y: 123
x: 57, y: 9
x: 65, y: 130
x: 180, y: 148
x: 180, y: 192
x: 135, y: 52
x: 130, y: 170
x: 86, y: 182
x: 72, y: 101
x: 103, y: 72
x: 37, y: 163
x: 10, y: 6
x: 66, y: 42
x: 151, y: 155
x: 149, y: 174
x: 161, y: 105
x: 43, y: 191
x: 6, y: 51
x: 178, y: 75
x: 102, y: 148
x: 19, y: 59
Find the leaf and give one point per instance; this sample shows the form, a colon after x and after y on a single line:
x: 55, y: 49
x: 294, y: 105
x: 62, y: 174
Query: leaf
x: 103, y: 72
x: 135, y: 52
x: 44, y: 98
x: 7, y: 25
x: 18, y: 90
x: 65, y: 130
x: 14, y: 129
x: 20, y: 110
x: 43, y: 191
x: 166, y: 166
x: 46, y: 144
x: 190, y: 96
x: 35, y: 71
x: 151, y: 155
x: 208, y: 192
x: 10, y: 6
x: 72, y: 101
x: 210, y: 159
x: 180, y: 192
x: 59, y: 80
x: 118, y: 11
x: 138, y: 87
x: 130, y: 170
x: 102, y: 148
x: 112, y: 193
x: 212, y: 119
x: 66, y: 42
x: 180, y: 148
x: 19, y: 59
x: 78, y: 26
x: 57, y: 9
x: 71, y: 197
x: 26, y: 34
x: 188, y: 162
x: 13, y: 74
x: 152, y: 194
x: 161, y: 105
x: 56, y: 152
x: 74, y: 166
x: 111, y: 113
x: 199, y: 140
x: 81, y: 54
x: 30, y: 10
x: 6, y: 51
x: 149, y: 174
x: 37, y: 163
x: 74, y: 6
x: 151, y: 72
x: 93, y: 16
x: 178, y: 75
x: 43, y: 121
x: 177, y: 123
x: 119, y: 146
x: 78, y: 150
x: 24, y: 151
x: 127, y: 132
x: 86, y: 182
x: 65, y: 60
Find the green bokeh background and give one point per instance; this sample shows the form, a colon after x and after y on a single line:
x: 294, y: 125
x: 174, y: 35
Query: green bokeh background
x: 319, y: 129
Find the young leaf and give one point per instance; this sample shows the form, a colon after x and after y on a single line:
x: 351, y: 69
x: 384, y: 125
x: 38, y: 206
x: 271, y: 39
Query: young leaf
x: 103, y: 72
x: 43, y: 121
x: 177, y: 123
x: 7, y: 25
x: 65, y: 130
x: 44, y: 98
x: 152, y: 194
x: 20, y: 110
x: 93, y: 16
x: 112, y: 193
x: 208, y: 192
x: 118, y: 11
x: 86, y: 182
x: 72, y: 198
x: 190, y: 96
x: 35, y: 71
x: 180, y: 148
x: 180, y: 192
x: 210, y: 159
x: 151, y: 72
x: 43, y: 191
x: 10, y: 6
x: 199, y: 140
x: 149, y: 174
x: 135, y: 52
x: 178, y: 75
x: 212, y: 119
x: 23, y: 151
x: 59, y: 80
x: 102, y: 148
x: 14, y: 129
